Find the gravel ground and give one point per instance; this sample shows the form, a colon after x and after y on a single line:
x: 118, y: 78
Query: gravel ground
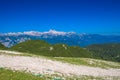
x: 10, y: 52
x: 45, y: 66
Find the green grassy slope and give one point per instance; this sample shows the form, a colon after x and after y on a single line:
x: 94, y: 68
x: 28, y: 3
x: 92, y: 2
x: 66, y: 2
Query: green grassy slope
x: 89, y: 62
x: 97, y: 51
x: 106, y: 51
x: 6, y: 74
x: 2, y: 46
x: 43, y: 48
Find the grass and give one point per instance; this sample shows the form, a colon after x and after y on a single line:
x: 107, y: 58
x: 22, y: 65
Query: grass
x: 43, y: 48
x: 7, y: 74
x: 108, y: 51
x: 89, y: 62
x: 2, y: 47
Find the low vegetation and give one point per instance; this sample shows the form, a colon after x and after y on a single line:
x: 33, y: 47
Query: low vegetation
x: 89, y: 56
x: 7, y: 74
x: 2, y: 46
x: 89, y: 62
x: 43, y: 48
x: 105, y: 51
x: 110, y: 52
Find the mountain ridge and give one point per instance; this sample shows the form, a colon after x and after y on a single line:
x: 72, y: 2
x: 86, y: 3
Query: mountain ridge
x: 41, y: 47
x: 53, y: 37
x: 37, y: 33
x: 109, y: 51
x: 105, y: 51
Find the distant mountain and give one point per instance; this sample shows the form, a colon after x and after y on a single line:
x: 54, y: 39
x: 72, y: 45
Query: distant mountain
x: 53, y: 50
x: 53, y: 37
x: 105, y: 51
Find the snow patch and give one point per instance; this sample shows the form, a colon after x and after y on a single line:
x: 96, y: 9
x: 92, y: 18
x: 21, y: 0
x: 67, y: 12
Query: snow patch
x: 55, y: 32
x: 37, y: 33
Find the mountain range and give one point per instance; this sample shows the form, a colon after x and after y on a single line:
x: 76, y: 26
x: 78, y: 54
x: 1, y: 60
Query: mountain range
x: 53, y: 37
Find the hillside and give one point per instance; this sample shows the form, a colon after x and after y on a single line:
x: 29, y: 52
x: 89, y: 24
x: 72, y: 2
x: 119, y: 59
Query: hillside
x: 48, y: 69
x: 109, y: 52
x: 2, y: 46
x: 43, y: 48
x: 106, y: 51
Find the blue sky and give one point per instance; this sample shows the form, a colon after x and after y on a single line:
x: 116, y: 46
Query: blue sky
x: 81, y: 16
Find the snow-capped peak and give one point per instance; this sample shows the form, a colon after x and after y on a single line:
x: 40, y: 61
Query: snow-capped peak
x: 37, y: 33
x: 55, y: 32
x: 32, y: 33
x: 13, y: 34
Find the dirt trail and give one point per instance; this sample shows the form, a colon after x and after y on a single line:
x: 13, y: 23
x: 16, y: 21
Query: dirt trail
x: 44, y: 66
